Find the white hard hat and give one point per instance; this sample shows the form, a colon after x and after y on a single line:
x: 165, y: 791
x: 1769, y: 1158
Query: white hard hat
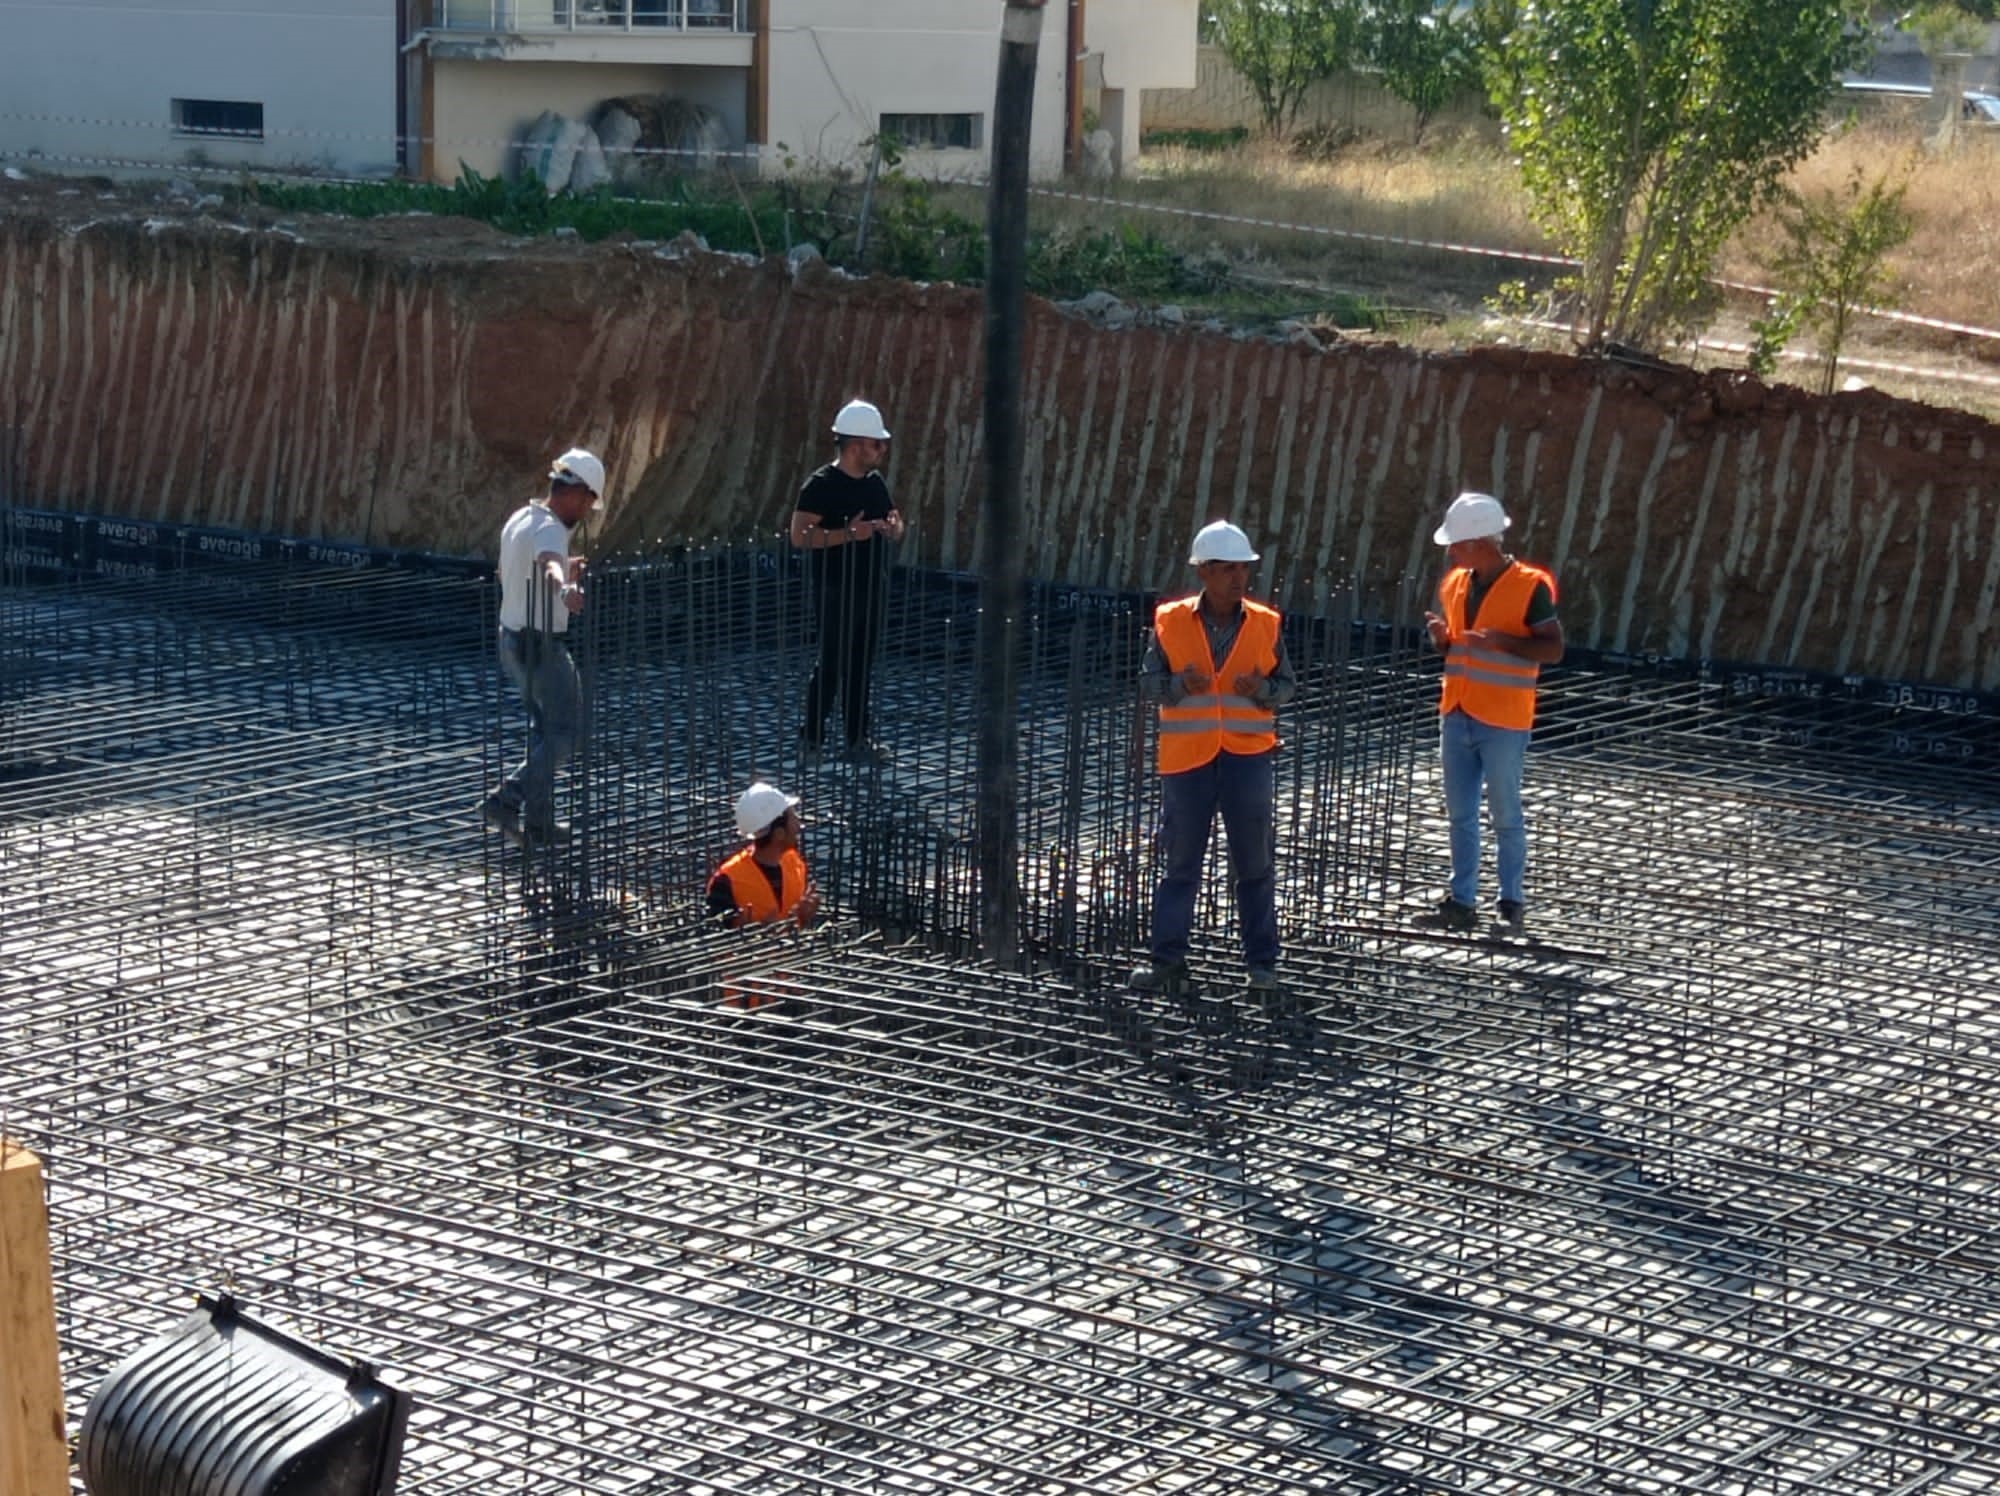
x: 760, y: 806
x: 1472, y: 516
x: 859, y: 418
x: 1220, y: 541
x: 582, y: 467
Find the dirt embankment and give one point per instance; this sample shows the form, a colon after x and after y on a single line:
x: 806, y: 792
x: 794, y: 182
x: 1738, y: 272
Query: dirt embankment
x: 403, y: 382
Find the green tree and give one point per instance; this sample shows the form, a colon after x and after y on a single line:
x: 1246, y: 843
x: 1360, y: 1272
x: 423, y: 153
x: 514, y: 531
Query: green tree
x: 1282, y: 47
x: 1649, y: 130
x: 1427, y: 52
x: 1491, y: 23
x: 1945, y: 27
x: 1832, y: 262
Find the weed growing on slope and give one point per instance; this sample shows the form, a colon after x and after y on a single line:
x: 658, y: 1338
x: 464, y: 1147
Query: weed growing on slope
x: 917, y: 230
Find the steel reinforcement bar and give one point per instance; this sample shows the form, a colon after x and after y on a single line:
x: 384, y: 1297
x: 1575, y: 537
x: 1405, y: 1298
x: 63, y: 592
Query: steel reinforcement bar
x: 1694, y: 1192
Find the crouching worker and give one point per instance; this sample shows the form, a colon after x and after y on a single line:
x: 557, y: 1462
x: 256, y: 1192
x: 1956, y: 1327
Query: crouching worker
x: 766, y: 880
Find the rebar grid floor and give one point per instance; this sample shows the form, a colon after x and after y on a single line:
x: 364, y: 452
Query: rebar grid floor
x: 1697, y: 1194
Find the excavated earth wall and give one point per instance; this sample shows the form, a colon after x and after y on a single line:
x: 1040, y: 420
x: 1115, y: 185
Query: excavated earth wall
x: 403, y: 384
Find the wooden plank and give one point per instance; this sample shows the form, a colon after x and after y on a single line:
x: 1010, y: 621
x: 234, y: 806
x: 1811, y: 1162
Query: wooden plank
x: 34, y: 1453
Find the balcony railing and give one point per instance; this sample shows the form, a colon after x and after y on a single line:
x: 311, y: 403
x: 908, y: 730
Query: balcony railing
x: 511, y: 16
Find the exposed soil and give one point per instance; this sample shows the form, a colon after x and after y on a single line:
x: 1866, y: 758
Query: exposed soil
x: 403, y: 382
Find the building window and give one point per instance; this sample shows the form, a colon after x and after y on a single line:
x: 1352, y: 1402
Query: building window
x: 934, y: 132
x: 219, y: 117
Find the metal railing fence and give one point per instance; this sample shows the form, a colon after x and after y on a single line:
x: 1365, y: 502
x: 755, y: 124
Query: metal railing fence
x: 513, y: 16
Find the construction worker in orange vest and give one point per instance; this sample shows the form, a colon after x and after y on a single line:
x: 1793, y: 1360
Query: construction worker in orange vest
x: 1216, y: 668
x: 767, y: 879
x: 1496, y: 626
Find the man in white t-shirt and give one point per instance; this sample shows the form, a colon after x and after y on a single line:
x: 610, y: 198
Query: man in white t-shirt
x: 541, y: 588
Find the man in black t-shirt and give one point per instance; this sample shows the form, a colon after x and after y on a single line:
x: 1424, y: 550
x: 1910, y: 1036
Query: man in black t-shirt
x: 843, y: 518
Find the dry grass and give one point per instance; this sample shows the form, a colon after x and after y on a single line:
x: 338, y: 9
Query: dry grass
x: 1455, y: 189
x: 1465, y: 190
x: 1951, y: 267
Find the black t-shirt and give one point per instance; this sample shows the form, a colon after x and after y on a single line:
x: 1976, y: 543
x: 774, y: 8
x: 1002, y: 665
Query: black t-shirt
x: 835, y: 499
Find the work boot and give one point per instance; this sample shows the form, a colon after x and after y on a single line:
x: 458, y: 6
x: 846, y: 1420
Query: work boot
x: 503, y: 815
x: 1262, y: 980
x: 1449, y: 915
x: 1512, y: 919
x: 1167, y: 977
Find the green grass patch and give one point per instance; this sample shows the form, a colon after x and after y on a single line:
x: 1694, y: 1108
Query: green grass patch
x: 722, y: 217
x: 916, y: 231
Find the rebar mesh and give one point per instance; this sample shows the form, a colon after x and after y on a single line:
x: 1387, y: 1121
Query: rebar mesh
x: 1698, y: 1193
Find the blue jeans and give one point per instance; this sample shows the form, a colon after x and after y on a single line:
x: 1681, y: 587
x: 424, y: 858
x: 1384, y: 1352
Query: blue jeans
x: 1473, y: 754
x: 545, y: 675
x: 1241, y: 786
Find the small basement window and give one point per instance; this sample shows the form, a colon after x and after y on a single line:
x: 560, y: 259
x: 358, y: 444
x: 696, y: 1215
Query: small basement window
x: 230, y: 117
x: 935, y: 132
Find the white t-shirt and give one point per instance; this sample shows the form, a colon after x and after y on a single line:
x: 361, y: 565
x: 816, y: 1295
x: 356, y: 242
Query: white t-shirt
x: 526, y: 599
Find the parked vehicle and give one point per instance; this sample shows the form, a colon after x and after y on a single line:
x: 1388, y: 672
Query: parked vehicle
x: 1869, y: 97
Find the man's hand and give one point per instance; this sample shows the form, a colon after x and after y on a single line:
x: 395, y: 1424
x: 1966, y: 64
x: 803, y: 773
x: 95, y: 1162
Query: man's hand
x: 893, y: 525
x: 1494, y: 639
x: 1440, y: 632
x: 862, y: 529
x: 807, y: 908
x: 571, y: 591
x: 1250, y: 684
x: 1193, y: 682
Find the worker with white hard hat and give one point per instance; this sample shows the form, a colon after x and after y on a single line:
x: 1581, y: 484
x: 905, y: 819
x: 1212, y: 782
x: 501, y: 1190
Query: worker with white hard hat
x: 541, y: 589
x: 843, y: 520
x: 766, y: 880
x: 1496, y: 626
x: 1217, y: 671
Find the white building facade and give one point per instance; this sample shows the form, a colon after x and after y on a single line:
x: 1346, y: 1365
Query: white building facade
x: 922, y: 71
x: 370, y: 87
x: 278, y: 84
x: 791, y: 84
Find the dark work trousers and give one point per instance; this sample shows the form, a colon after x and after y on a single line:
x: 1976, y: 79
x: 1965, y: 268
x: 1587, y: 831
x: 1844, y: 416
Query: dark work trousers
x: 1241, y: 786
x: 849, y: 610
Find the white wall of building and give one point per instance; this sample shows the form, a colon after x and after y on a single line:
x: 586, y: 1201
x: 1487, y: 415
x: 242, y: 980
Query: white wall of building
x: 1143, y: 44
x: 480, y: 108
x: 93, y: 84
x: 838, y: 66
x: 108, y: 71
x: 1146, y: 43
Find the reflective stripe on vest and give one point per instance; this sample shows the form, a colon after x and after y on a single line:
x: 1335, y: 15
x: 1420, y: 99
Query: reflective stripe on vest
x: 755, y: 900
x: 1487, y: 684
x: 1195, y: 729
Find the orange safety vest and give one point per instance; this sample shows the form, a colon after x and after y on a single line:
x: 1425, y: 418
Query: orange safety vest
x: 1195, y: 729
x: 1490, y: 685
x: 755, y: 903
